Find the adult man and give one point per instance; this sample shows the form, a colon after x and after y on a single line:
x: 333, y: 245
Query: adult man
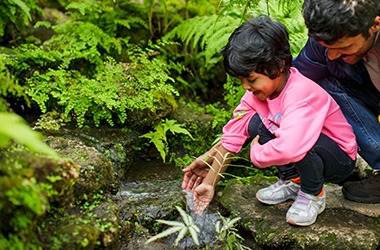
x: 343, y: 56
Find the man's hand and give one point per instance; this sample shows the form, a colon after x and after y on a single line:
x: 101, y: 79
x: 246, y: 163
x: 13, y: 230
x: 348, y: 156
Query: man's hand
x: 202, y: 196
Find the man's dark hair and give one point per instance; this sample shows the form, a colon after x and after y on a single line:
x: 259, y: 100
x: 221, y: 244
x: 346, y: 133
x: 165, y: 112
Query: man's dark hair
x: 260, y: 45
x: 330, y: 20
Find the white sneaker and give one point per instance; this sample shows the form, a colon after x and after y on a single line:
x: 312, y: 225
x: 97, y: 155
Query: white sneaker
x: 279, y: 192
x: 305, y: 209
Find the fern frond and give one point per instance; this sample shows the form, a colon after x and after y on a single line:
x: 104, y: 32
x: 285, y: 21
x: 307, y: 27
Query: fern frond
x: 163, y: 234
x: 209, y: 33
x: 171, y: 223
x: 181, y: 235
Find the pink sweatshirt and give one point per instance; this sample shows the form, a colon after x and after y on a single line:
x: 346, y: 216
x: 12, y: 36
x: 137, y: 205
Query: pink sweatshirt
x: 297, y: 117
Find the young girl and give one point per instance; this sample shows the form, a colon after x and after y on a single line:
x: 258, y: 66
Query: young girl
x: 292, y: 123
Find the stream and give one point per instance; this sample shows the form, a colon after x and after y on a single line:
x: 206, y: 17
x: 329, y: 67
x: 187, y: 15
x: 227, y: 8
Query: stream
x: 152, y: 191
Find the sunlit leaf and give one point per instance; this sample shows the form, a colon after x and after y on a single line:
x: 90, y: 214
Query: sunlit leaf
x: 163, y: 234
x: 171, y: 223
x: 14, y: 127
x: 194, y: 234
x: 181, y: 234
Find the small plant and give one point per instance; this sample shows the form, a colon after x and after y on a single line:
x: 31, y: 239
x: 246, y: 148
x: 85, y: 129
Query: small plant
x: 159, y: 139
x: 185, y: 227
x: 228, y: 235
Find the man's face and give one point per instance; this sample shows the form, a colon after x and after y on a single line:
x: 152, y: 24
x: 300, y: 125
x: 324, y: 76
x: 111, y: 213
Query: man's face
x: 350, y: 49
x: 353, y: 49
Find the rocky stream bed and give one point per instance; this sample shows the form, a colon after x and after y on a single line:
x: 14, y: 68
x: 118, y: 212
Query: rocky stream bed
x: 151, y: 190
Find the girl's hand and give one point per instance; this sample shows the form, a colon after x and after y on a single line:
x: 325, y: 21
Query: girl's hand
x: 202, y: 196
x: 255, y: 140
x: 194, y: 174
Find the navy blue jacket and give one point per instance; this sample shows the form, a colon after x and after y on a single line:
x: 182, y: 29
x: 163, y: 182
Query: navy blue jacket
x: 313, y: 62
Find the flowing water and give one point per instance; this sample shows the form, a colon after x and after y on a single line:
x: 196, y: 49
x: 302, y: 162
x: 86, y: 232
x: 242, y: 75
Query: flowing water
x: 152, y: 188
x: 205, y: 221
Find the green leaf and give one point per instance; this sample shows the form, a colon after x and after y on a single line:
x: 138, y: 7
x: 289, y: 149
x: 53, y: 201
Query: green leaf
x: 186, y: 218
x: 14, y: 127
x: 158, y: 142
x: 231, y: 223
x: 180, y: 236
x: 163, y: 234
x: 171, y: 223
x: 194, y: 233
x: 177, y: 128
x: 23, y: 7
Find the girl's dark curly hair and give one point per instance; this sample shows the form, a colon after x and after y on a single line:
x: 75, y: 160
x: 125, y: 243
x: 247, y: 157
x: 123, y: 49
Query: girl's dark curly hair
x: 260, y: 45
x: 330, y: 20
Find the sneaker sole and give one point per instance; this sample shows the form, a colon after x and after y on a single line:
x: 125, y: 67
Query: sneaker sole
x: 270, y: 202
x: 305, y: 224
x: 370, y: 200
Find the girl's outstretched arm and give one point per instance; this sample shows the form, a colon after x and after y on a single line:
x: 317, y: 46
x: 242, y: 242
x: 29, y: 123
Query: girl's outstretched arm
x: 198, y: 169
x: 204, y: 193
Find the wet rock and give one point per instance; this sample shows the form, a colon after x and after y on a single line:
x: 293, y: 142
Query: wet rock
x: 152, y: 190
x: 96, y: 173
x: 343, y: 225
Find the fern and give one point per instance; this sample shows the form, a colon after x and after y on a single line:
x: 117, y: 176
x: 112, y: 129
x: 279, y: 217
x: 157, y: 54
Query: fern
x: 290, y: 14
x: 80, y: 40
x: 108, y: 15
x: 210, y: 33
x: 116, y: 89
x: 186, y: 227
x: 159, y: 138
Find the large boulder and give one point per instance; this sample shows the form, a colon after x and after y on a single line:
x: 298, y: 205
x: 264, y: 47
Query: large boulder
x: 343, y: 224
x: 96, y: 173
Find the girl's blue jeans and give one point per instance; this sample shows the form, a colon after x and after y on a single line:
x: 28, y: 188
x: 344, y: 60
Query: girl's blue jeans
x: 360, y: 104
x: 325, y: 162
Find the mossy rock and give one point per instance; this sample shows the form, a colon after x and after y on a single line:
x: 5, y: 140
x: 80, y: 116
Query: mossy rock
x: 338, y: 227
x: 96, y: 172
x: 30, y: 185
x: 60, y: 174
x: 71, y: 232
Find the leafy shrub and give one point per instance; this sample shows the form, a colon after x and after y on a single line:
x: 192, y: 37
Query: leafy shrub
x: 72, y: 75
x: 118, y: 88
x: 111, y: 16
x: 83, y: 46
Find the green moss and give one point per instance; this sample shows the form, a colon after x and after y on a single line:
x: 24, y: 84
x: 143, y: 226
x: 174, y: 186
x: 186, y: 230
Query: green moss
x: 30, y: 184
